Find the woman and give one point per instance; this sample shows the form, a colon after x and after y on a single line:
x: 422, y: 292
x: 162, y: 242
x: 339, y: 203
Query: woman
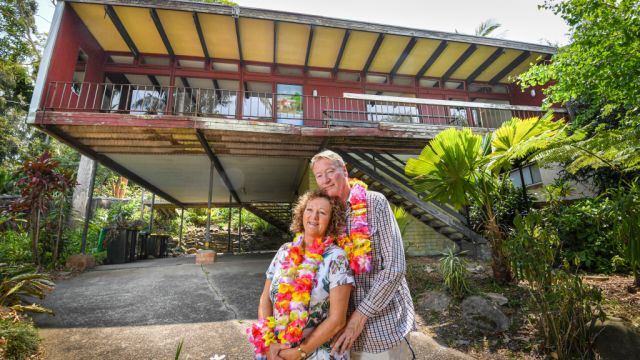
x: 306, y: 293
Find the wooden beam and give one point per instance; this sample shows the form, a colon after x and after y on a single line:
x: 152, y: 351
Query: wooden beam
x: 163, y: 34
x: 373, y: 53
x: 493, y: 57
x: 517, y: 61
x: 237, y: 23
x: 465, y: 55
x: 345, y: 39
x: 154, y: 80
x: 121, y: 29
x: 203, y: 42
x: 108, y: 162
x: 218, y: 165
x: 117, y: 78
x: 436, y: 54
x: 275, y: 41
x: 403, y: 56
x: 309, y: 44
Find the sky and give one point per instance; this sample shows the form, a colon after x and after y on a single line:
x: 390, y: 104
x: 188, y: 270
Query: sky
x: 521, y: 19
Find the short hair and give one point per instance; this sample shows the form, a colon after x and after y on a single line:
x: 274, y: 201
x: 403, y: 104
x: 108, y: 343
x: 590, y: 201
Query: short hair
x: 337, y: 212
x: 329, y: 155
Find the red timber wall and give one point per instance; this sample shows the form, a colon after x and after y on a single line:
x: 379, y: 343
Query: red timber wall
x: 72, y: 36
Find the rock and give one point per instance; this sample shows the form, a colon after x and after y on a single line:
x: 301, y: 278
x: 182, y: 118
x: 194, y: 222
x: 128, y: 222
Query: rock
x: 484, y: 315
x: 434, y: 301
x: 478, y: 269
x: 428, y: 269
x: 616, y: 340
x: 80, y: 262
x: 497, y: 299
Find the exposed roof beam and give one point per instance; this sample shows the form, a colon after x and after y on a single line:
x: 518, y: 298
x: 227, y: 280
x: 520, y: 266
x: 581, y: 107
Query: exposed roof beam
x: 493, y: 57
x: 309, y: 44
x: 121, y: 29
x: 117, y: 78
x: 432, y: 59
x: 403, y: 56
x: 373, y: 53
x: 163, y: 34
x: 153, y: 80
x: 465, y: 55
x: 275, y: 41
x: 237, y: 23
x: 216, y: 88
x: 108, y: 162
x: 345, y: 39
x: 203, y: 43
x: 217, y: 164
x: 517, y: 61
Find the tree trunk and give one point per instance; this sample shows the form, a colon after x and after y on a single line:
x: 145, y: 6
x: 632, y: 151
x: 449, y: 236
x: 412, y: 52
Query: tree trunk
x: 637, y: 279
x: 35, y: 235
x: 499, y: 264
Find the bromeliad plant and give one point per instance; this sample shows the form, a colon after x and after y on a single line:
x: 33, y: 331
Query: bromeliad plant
x: 455, y: 273
x: 17, y: 282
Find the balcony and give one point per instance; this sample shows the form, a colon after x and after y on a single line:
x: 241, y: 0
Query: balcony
x: 352, y: 110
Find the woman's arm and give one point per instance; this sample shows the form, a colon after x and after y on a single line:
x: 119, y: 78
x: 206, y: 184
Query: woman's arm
x: 265, y: 308
x: 338, y: 304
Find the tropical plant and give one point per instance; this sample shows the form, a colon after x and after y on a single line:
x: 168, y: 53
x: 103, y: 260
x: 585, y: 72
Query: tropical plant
x: 19, y: 338
x: 402, y: 218
x: 487, y: 27
x: 565, y: 308
x: 455, y: 273
x: 625, y: 220
x: 40, y: 181
x: 19, y: 282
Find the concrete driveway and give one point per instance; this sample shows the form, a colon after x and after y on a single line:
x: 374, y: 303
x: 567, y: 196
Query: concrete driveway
x: 142, y: 310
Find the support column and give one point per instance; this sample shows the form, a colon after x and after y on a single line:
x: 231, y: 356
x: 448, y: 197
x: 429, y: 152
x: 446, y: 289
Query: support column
x: 153, y: 202
x: 87, y: 213
x: 181, y: 224
x: 207, y: 235
x: 240, y: 229
x: 229, y: 226
x: 142, y: 205
x: 81, y: 191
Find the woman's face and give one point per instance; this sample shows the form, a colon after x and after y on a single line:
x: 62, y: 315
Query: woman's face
x: 316, y: 217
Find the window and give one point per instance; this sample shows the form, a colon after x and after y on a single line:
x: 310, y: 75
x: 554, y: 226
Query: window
x: 78, y: 72
x: 530, y: 174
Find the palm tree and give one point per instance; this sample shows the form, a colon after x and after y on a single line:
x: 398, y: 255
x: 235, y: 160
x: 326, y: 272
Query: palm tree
x: 487, y: 27
x: 461, y: 168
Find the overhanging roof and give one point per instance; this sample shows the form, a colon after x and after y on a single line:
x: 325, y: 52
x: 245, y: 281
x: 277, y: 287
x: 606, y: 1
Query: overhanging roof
x: 195, y: 29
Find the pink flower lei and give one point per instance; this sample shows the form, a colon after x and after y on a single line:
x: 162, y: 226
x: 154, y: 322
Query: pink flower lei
x: 297, y: 273
x: 357, y: 245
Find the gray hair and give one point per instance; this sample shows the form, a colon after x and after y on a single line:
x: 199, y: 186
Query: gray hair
x: 329, y: 155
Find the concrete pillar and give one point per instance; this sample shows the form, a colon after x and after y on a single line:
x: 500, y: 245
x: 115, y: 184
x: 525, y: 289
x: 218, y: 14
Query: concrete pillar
x: 80, y: 199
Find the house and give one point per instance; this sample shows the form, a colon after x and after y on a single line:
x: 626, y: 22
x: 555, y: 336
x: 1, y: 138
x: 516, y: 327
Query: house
x: 203, y: 104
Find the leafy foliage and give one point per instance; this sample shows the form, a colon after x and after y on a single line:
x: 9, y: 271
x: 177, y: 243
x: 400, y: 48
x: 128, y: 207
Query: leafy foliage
x: 402, y: 218
x: 20, y: 339
x: 17, y: 282
x: 565, y: 308
x: 14, y: 247
x: 625, y: 218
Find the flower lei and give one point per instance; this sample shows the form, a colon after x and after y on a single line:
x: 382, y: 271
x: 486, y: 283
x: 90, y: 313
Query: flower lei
x: 297, y: 273
x: 357, y: 245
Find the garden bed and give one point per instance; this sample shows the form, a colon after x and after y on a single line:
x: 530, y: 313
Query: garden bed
x: 450, y: 329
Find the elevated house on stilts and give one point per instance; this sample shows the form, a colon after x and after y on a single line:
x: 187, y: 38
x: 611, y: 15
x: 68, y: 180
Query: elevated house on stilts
x: 202, y: 104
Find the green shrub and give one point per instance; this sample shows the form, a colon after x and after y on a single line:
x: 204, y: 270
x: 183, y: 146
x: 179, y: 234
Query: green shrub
x: 455, y: 273
x: 15, y: 247
x: 565, y: 308
x: 21, y: 339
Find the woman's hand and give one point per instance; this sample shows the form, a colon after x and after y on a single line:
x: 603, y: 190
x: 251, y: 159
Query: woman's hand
x: 276, y: 350
x: 290, y: 354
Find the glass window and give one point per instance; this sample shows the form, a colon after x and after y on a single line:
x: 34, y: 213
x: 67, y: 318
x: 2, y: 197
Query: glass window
x: 289, y: 104
x: 530, y: 173
x: 78, y: 72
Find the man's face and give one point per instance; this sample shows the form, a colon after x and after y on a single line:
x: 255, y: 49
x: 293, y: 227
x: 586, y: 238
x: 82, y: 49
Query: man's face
x: 331, y: 178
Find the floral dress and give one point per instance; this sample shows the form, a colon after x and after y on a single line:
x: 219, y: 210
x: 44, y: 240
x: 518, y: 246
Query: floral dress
x: 333, y: 271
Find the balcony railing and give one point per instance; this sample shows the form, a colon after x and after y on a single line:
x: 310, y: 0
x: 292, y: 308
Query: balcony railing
x: 356, y: 110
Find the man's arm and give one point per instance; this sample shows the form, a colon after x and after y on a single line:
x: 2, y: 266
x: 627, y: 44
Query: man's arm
x: 391, y: 251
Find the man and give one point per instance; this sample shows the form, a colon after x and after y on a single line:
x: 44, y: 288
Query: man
x: 382, y: 315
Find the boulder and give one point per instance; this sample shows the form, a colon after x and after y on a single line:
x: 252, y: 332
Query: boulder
x: 80, y: 262
x: 616, y: 340
x: 497, y: 299
x: 434, y: 301
x: 484, y: 315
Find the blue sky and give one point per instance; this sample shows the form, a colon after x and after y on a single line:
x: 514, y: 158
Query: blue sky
x: 521, y: 19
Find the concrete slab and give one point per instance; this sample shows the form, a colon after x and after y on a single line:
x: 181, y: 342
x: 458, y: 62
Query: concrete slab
x: 142, y: 310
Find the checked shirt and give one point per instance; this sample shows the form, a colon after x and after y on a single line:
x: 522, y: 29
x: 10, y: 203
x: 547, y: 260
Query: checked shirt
x: 382, y: 294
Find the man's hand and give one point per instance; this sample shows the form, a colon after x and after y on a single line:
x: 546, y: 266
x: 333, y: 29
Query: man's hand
x: 290, y: 354
x: 274, y: 350
x: 348, y: 336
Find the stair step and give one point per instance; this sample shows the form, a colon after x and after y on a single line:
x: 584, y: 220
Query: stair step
x: 455, y: 236
x: 435, y: 223
x: 447, y: 230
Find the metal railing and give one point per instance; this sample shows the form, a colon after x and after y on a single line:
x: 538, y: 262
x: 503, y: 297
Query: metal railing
x: 356, y: 110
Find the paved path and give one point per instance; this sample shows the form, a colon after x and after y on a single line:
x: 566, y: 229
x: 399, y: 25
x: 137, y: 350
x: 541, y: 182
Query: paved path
x: 142, y: 310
